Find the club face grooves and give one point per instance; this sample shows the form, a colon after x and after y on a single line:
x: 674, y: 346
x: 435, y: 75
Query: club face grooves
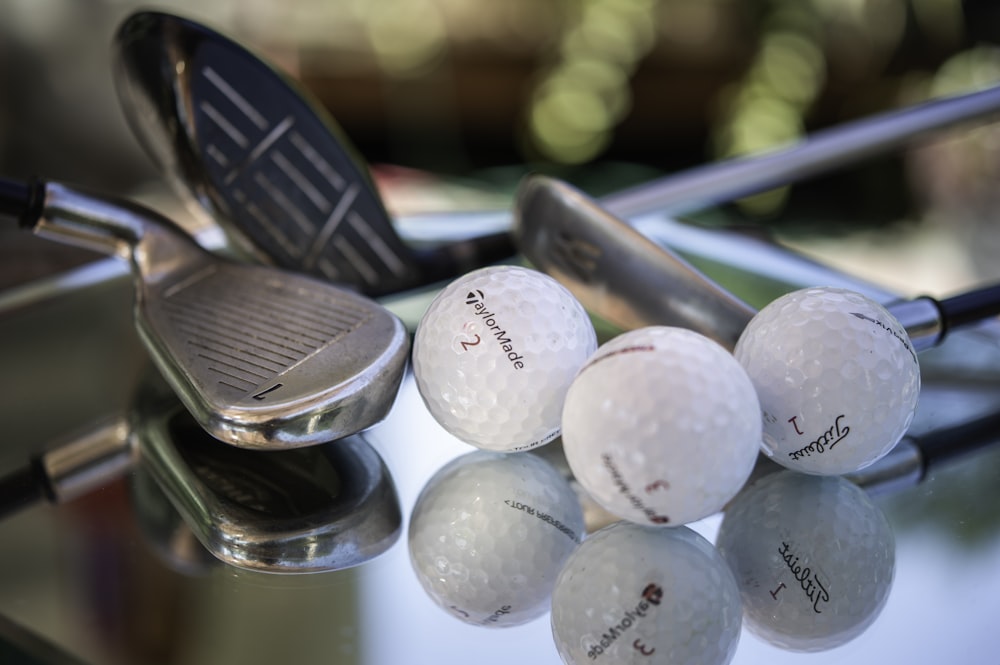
x: 258, y: 154
x: 273, y: 360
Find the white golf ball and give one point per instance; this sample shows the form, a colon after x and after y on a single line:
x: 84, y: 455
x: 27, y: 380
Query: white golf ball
x: 837, y: 379
x: 489, y: 534
x: 661, y: 426
x: 635, y: 594
x: 813, y: 556
x: 495, y: 353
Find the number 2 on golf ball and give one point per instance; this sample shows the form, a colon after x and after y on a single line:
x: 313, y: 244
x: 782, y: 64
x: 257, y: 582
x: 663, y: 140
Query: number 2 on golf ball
x: 495, y: 353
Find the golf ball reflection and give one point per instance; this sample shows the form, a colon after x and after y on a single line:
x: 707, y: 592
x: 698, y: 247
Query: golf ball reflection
x: 490, y: 532
x: 638, y: 594
x: 813, y: 556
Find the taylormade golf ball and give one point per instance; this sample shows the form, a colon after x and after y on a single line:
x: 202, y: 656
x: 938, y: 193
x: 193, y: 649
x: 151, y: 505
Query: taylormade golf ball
x: 489, y: 534
x: 635, y: 594
x: 837, y: 378
x: 494, y: 355
x: 813, y: 556
x: 661, y: 426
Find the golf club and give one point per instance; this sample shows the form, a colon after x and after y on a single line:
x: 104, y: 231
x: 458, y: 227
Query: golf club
x: 263, y: 358
x: 266, y: 161
x: 630, y: 281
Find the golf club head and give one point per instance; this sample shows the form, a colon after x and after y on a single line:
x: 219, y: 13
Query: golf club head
x: 601, y: 260
x: 263, y: 358
x: 305, y: 510
x: 257, y: 153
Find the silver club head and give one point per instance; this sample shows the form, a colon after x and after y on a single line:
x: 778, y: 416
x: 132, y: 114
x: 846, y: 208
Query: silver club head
x: 267, y: 161
x: 602, y: 260
x: 262, y: 358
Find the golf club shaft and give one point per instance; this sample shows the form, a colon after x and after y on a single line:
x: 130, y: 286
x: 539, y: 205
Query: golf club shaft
x: 821, y: 152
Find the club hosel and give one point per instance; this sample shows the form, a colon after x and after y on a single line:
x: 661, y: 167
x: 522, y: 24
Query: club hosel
x: 117, y: 228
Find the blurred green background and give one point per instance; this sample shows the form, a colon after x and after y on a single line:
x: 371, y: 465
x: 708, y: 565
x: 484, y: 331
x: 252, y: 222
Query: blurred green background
x: 602, y: 92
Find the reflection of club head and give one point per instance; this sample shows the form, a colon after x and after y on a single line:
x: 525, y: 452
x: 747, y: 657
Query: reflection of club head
x: 320, y: 508
x: 165, y: 531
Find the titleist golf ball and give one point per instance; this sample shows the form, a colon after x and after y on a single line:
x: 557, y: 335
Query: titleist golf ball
x: 494, y: 355
x: 636, y: 594
x: 813, y: 556
x: 661, y: 426
x: 837, y: 379
x: 490, y: 532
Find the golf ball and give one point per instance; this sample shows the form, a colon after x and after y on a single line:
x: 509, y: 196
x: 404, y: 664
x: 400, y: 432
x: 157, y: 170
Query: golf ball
x: 490, y: 532
x: 837, y: 379
x: 635, y: 594
x: 495, y: 353
x: 813, y: 556
x: 661, y: 426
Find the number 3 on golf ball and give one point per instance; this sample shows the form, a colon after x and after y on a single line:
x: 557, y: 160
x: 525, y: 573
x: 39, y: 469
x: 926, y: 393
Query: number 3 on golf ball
x: 661, y: 426
x: 494, y: 354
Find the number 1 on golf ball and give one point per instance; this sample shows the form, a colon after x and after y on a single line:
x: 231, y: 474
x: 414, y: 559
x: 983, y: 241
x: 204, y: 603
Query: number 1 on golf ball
x: 494, y: 355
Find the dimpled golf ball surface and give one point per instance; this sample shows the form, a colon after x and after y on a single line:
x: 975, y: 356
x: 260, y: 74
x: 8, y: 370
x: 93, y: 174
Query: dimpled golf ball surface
x: 489, y: 534
x: 837, y: 378
x: 661, y: 426
x: 494, y: 355
x: 636, y: 594
x: 813, y: 556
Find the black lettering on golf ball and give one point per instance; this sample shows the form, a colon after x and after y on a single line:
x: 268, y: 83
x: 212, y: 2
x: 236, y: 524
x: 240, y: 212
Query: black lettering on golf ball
x: 477, y: 300
x: 900, y: 336
x: 628, y: 619
x: 619, y: 481
x: 497, y: 615
x: 545, y: 517
x: 811, y: 585
x: 825, y: 441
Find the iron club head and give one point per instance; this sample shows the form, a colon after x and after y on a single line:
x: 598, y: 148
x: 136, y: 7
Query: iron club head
x: 615, y: 271
x: 262, y: 358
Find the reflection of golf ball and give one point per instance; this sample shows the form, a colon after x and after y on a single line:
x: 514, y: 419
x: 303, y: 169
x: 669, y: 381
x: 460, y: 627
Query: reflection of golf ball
x: 494, y: 355
x: 813, y: 556
x: 490, y: 532
x: 837, y: 379
x: 635, y: 594
x: 661, y: 426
